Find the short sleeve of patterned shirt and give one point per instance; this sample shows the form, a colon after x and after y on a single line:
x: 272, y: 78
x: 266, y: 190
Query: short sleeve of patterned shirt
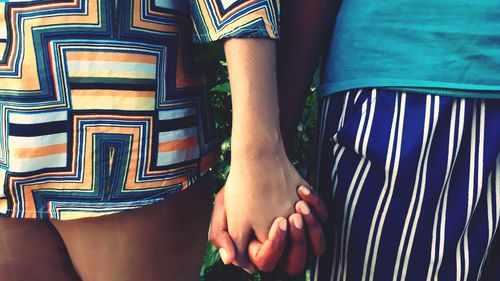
x: 103, y: 109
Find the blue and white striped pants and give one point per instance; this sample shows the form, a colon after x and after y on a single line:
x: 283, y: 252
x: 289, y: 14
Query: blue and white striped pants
x: 412, y: 183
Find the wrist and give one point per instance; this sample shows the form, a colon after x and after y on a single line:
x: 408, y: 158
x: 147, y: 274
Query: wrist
x: 243, y: 149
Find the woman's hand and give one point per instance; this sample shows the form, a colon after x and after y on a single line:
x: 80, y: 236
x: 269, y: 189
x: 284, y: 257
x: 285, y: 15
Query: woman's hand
x: 262, y: 182
x: 262, y: 185
x: 288, y: 249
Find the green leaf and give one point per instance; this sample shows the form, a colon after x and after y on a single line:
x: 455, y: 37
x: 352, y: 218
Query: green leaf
x: 224, y: 87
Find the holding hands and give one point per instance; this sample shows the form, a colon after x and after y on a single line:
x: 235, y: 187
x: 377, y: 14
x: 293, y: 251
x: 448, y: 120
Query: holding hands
x: 262, y: 220
x: 259, y: 217
x: 287, y: 248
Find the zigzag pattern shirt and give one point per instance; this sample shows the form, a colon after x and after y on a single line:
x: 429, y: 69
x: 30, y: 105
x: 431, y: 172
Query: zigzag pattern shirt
x: 102, y: 107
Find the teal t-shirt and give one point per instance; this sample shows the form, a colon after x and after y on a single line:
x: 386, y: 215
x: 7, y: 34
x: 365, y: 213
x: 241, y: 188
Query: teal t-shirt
x: 438, y: 44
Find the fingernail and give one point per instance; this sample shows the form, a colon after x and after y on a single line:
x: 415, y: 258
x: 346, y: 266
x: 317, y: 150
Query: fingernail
x: 304, y: 209
x: 223, y: 255
x: 304, y: 190
x: 297, y: 221
x: 282, y: 224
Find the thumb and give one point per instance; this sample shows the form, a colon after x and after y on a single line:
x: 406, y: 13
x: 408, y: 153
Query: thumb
x: 241, y: 240
x: 218, y: 233
x: 223, y: 242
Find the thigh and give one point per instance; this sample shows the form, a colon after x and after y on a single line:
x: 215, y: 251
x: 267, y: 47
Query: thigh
x: 32, y: 250
x: 164, y: 241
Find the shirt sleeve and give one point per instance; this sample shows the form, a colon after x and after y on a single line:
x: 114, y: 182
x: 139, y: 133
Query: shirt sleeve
x: 221, y: 19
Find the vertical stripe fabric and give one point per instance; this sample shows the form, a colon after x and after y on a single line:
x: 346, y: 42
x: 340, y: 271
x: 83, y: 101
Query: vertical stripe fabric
x: 412, y: 183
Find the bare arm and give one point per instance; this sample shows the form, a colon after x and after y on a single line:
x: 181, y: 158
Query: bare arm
x: 252, y: 73
x: 305, y: 28
x: 262, y: 182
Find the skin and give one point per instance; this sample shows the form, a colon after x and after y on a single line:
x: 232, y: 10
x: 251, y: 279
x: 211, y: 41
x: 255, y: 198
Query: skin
x: 262, y: 182
x: 160, y: 242
x: 251, y: 70
x: 266, y: 206
x: 164, y: 241
x: 287, y: 250
x: 25, y: 256
x: 260, y: 253
x: 302, y: 39
x: 257, y: 113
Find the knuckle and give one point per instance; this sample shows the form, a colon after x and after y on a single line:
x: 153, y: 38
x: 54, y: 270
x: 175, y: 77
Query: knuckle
x: 265, y: 264
x: 212, y: 237
x: 312, y: 222
x: 317, y: 203
x: 216, y: 238
x: 299, y: 239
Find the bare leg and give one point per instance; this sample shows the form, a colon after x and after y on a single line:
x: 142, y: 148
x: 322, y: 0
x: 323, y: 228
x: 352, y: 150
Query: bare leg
x: 164, y: 241
x: 32, y: 250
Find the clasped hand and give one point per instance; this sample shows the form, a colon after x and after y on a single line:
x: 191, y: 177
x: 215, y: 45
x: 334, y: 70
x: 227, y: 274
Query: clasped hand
x: 261, y: 214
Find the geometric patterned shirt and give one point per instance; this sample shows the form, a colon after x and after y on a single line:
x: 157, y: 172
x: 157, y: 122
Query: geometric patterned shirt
x: 103, y: 109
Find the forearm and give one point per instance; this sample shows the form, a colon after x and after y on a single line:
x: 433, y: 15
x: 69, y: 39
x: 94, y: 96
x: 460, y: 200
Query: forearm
x: 304, y: 28
x: 262, y: 183
x: 252, y: 74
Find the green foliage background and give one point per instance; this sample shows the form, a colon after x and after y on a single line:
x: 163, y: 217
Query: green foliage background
x: 303, y: 157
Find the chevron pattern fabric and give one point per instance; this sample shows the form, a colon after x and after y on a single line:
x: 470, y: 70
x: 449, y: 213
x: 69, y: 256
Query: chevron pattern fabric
x: 102, y: 108
x: 220, y: 19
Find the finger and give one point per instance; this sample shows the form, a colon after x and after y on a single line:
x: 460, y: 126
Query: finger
x: 295, y: 260
x: 312, y: 198
x: 226, y: 247
x: 218, y: 234
x: 265, y: 256
x: 219, y: 218
x: 241, y: 239
x: 314, y: 229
